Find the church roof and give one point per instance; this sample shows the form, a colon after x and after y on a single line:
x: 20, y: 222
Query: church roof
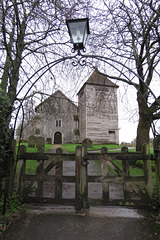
x: 98, y: 78
x: 56, y: 94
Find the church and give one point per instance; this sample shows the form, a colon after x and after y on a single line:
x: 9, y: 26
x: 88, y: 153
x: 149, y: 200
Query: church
x: 60, y: 121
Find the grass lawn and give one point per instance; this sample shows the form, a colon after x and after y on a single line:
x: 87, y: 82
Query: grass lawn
x: 31, y: 165
x: 134, y: 171
x: 72, y: 147
x: 29, y: 149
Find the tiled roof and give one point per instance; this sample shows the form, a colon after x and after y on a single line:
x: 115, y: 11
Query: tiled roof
x: 57, y: 94
x: 98, y: 78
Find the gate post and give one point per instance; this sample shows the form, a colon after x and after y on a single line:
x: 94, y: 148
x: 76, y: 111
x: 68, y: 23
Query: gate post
x: 12, y: 165
x: 84, y: 178
x: 148, y: 171
x: 125, y: 168
x: 78, y: 202
x: 156, y: 145
x: 104, y: 168
x: 59, y: 173
x: 39, y: 170
x: 21, y: 170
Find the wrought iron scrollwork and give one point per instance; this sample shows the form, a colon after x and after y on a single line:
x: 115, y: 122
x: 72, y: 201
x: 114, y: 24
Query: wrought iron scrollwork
x: 79, y: 61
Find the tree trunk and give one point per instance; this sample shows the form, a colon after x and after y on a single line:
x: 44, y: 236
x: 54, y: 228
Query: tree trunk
x: 144, y: 122
x: 142, y: 132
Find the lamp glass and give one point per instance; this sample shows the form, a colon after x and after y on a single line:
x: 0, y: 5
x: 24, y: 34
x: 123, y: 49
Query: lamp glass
x: 78, y: 30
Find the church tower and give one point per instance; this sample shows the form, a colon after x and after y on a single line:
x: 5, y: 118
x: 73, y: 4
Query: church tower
x: 98, y: 110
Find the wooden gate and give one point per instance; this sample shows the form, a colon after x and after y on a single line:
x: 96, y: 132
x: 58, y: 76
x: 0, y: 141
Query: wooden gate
x: 118, y: 185
x: 50, y: 183
x: 45, y: 185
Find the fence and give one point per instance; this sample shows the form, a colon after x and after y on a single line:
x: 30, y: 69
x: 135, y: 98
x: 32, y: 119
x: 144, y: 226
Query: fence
x: 31, y: 186
x: 141, y: 185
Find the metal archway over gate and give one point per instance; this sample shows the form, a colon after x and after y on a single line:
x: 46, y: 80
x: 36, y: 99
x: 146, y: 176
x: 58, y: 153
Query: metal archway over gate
x: 49, y: 172
x: 81, y: 59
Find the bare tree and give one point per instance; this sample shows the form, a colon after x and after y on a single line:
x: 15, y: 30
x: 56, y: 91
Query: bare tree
x: 127, y: 37
x: 130, y: 35
x: 31, y: 38
x: 31, y: 44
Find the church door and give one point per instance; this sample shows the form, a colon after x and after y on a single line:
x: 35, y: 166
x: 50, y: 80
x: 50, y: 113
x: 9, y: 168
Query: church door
x: 58, y: 138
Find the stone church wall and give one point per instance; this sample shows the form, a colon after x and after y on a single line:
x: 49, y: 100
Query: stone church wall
x: 57, y: 115
x: 32, y: 127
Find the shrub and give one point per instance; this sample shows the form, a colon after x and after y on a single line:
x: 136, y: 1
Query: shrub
x: 13, y: 204
x: 139, y: 163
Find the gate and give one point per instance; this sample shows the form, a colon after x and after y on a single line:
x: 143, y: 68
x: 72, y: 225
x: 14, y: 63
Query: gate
x: 50, y: 183
x: 119, y: 186
x: 45, y: 185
